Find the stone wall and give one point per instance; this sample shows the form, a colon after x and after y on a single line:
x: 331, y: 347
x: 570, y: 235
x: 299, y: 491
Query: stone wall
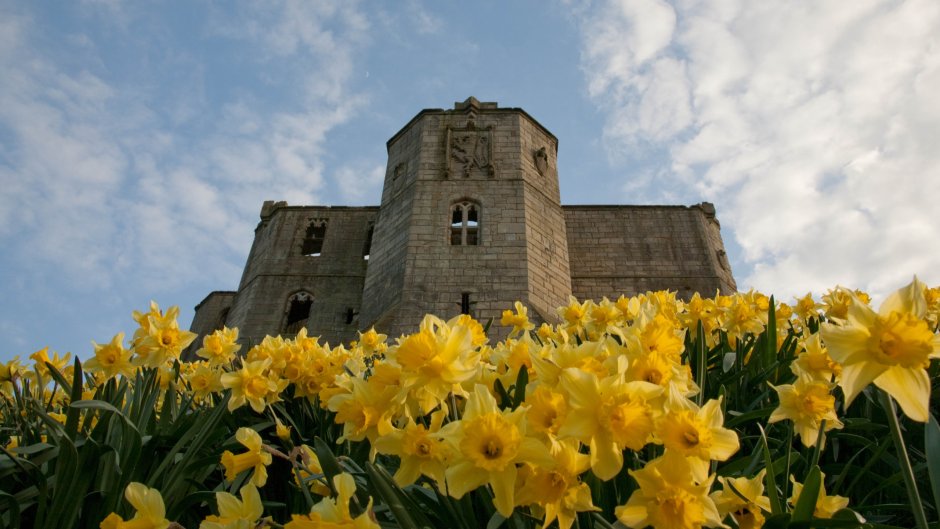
x: 629, y: 250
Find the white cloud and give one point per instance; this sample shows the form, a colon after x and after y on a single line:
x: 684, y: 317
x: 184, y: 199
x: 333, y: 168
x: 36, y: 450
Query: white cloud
x: 102, y: 179
x: 812, y: 125
x: 356, y: 181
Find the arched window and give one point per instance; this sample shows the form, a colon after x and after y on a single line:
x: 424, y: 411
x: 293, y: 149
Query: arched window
x: 298, y: 311
x: 465, y: 224
x: 313, y: 241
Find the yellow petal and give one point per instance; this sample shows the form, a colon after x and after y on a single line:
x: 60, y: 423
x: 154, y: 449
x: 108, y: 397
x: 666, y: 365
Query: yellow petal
x: 249, y: 438
x: 856, y: 376
x: 229, y: 506
x: 606, y: 458
x: 464, y: 477
x: 910, y: 387
x: 504, y: 483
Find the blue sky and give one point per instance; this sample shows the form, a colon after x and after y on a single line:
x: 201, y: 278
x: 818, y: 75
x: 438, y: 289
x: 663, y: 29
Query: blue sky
x: 137, y: 142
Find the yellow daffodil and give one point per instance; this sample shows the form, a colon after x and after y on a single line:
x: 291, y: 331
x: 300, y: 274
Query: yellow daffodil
x: 806, y: 402
x: 151, y: 513
x: 252, y: 384
x: 203, y: 379
x: 547, y: 410
x: 111, y: 359
x: 164, y: 340
x: 696, y: 433
x: 668, y: 497
x: 219, y: 348
x: 330, y: 514
x: 519, y: 320
x: 826, y: 505
x: 608, y: 415
x: 365, y: 408
x: 814, y: 361
x: 235, y: 513
x: 556, y: 489
x: 436, y: 360
x: 40, y: 358
x: 421, y: 450
x: 892, y: 348
x: 490, y: 443
x: 748, y: 512
x: 372, y: 342
x: 255, y: 458
x: 9, y: 371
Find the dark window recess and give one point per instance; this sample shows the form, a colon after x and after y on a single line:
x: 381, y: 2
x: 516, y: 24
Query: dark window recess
x: 313, y: 241
x: 465, y: 303
x: 473, y: 226
x: 222, y: 317
x: 298, y: 311
x: 350, y: 315
x: 456, y: 226
x: 367, y: 248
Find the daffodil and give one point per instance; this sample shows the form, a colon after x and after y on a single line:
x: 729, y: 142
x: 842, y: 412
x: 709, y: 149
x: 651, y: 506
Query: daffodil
x: 608, y: 415
x: 696, y: 433
x: 743, y: 499
x: 668, y: 497
x: 826, y: 505
x: 219, y: 348
x: 518, y: 320
x: 9, y: 371
x: 490, y: 443
x: 256, y: 458
x: 556, y: 489
x: 151, y: 513
x: 164, y: 340
x: 203, y: 379
x: 111, y: 359
x: 330, y: 514
x: 892, y: 348
x: 235, y: 513
x: 41, y: 357
x: 547, y: 410
x: 421, y: 450
x: 436, y: 360
x: 252, y: 384
x: 807, y: 402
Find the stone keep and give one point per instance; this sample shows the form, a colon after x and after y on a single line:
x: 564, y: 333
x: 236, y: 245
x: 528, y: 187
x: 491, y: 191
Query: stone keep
x: 470, y: 221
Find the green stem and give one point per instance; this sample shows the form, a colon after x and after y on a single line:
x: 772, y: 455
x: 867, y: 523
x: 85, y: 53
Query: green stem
x: 905, y: 463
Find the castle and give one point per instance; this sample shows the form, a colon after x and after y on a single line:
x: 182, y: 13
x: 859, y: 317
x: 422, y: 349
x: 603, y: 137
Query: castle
x: 470, y: 221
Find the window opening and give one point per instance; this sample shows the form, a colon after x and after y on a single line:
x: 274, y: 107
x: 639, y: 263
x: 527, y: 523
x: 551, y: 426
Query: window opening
x: 350, y: 315
x: 465, y: 224
x: 367, y: 249
x: 298, y: 312
x: 465, y: 303
x: 313, y: 241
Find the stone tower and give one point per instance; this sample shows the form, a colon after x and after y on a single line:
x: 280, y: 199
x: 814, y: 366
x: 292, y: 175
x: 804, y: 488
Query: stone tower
x: 470, y: 219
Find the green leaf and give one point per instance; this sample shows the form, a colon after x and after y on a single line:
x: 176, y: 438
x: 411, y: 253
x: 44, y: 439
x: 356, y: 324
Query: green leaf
x: 12, y: 510
x: 519, y: 392
x: 391, y: 494
x: 806, y: 504
x: 932, y: 443
x: 328, y: 461
x: 770, y: 478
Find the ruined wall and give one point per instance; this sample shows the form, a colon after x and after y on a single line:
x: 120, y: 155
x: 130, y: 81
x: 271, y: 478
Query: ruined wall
x: 277, y: 269
x: 629, y: 250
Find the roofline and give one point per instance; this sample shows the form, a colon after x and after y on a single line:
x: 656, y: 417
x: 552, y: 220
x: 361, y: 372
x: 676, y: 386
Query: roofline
x: 429, y: 111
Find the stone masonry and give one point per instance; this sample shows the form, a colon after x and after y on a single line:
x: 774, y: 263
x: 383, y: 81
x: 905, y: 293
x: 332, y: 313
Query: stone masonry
x: 470, y: 221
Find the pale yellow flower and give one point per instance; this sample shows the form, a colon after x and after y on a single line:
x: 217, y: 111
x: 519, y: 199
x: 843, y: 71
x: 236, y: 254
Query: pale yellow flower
x: 151, y: 513
x: 519, y: 320
x: 669, y: 497
x: 807, y: 402
x: 696, y: 433
x: 556, y: 489
x: 111, y: 359
x: 235, y: 513
x: 892, y: 348
x: 490, y: 443
x: 421, y: 450
x: 748, y: 512
x: 330, y: 514
x: 219, y: 348
x: 255, y: 458
x: 826, y: 505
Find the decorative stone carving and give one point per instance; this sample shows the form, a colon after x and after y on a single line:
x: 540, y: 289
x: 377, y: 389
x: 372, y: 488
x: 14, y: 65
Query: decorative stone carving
x: 541, y: 161
x: 398, y: 171
x: 469, y: 150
